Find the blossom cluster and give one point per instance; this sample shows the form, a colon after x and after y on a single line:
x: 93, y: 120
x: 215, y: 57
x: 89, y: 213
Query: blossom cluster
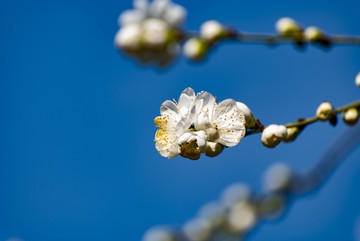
x: 150, y: 32
x: 196, y: 124
x: 238, y: 210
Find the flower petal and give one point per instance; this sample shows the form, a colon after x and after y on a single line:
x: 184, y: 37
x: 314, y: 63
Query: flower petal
x: 131, y: 16
x: 175, y: 15
x: 157, y: 8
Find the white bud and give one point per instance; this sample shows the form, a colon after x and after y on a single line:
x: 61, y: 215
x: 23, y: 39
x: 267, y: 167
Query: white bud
x: 242, y: 217
x: 287, y: 27
x: 159, y: 234
x: 357, y: 80
x: 277, y: 177
x: 195, y: 48
x: 128, y: 38
x: 212, y: 30
x: 351, y: 116
x: 155, y: 33
x: 292, y: 133
x: 213, y: 149
x: 325, y: 111
x: 249, y: 118
x: 273, y: 135
x: 313, y: 34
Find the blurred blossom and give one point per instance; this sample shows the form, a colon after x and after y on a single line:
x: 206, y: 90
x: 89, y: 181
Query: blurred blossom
x: 197, y: 229
x: 235, y: 193
x: 150, y: 32
x: 197, y: 124
x: 272, y: 205
x: 242, y: 217
x: 159, y: 234
x: 277, y: 177
x: 214, y: 213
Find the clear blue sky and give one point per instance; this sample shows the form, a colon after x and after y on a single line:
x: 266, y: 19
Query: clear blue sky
x: 77, y: 156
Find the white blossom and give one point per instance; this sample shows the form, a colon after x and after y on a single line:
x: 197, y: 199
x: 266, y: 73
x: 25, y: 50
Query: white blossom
x: 273, y: 135
x: 212, y: 30
x: 222, y: 122
x: 154, y: 33
x: 197, y: 124
x: 175, y: 120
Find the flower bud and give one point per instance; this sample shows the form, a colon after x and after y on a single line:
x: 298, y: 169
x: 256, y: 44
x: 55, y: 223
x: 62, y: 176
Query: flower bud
x: 249, y: 118
x: 128, y: 38
x: 273, y: 135
x: 212, y: 30
x: 325, y: 111
x: 213, y: 149
x: 287, y: 27
x: 292, y: 133
x: 313, y: 34
x: 195, y: 48
x: 351, y: 116
x: 357, y: 80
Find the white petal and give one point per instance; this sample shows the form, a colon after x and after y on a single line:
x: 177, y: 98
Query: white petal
x: 175, y: 15
x: 202, y: 122
x: 206, y: 102
x: 128, y: 37
x: 141, y: 4
x: 157, y: 8
x: 186, y: 100
x: 131, y: 16
x: 230, y: 123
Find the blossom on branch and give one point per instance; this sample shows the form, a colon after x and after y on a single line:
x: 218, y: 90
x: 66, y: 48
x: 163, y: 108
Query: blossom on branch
x: 197, y: 124
x: 150, y: 32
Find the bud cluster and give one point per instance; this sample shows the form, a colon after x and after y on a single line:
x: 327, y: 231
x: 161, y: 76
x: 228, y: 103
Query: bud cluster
x: 236, y: 213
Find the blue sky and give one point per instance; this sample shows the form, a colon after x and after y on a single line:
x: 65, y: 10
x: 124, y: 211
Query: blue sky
x: 77, y: 156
